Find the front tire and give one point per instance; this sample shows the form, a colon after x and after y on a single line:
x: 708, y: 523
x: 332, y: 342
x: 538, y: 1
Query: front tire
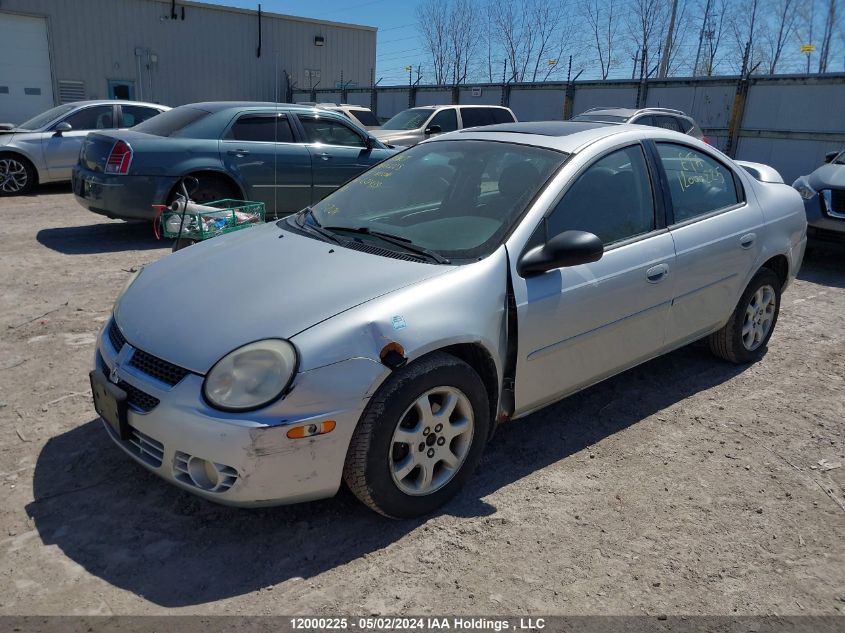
x: 17, y: 175
x: 744, y: 337
x: 420, y: 437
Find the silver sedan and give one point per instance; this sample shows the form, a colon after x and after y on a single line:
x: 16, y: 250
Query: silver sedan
x: 46, y: 147
x: 469, y: 280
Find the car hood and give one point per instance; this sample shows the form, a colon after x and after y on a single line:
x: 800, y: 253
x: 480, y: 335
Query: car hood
x: 389, y: 136
x: 828, y: 177
x: 200, y: 303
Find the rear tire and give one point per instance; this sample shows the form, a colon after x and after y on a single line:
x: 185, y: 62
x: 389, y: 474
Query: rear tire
x: 744, y: 337
x: 17, y: 175
x: 210, y: 188
x: 394, y: 466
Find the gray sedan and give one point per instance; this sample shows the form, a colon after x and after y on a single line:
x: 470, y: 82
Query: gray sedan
x: 46, y: 147
x: 466, y: 281
x: 283, y: 155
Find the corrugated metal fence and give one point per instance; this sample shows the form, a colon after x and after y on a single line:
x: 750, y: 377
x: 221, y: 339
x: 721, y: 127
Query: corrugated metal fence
x: 789, y: 122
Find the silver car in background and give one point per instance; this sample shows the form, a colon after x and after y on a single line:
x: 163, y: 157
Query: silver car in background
x: 463, y: 282
x: 46, y: 147
x: 417, y: 124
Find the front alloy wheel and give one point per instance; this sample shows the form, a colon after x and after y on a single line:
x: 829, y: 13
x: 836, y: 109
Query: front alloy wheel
x: 15, y: 176
x: 431, y: 441
x: 420, y: 437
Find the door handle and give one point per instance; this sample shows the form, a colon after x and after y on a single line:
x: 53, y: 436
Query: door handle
x: 747, y: 241
x: 238, y: 152
x: 657, y: 273
x: 324, y: 155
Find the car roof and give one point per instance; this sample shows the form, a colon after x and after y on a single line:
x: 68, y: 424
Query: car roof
x: 457, y: 105
x: 117, y: 101
x: 219, y: 106
x: 564, y: 136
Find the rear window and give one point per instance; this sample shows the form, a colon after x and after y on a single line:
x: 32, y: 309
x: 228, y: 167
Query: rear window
x: 474, y: 117
x: 500, y: 115
x: 170, y: 122
x: 365, y: 117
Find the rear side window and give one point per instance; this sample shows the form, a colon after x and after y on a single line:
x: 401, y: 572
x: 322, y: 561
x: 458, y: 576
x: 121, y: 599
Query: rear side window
x: 698, y: 184
x: 133, y: 115
x: 474, y: 117
x: 667, y: 123
x: 446, y: 119
x: 95, y: 118
x: 611, y: 199
x: 267, y: 128
x: 330, y: 132
x: 170, y: 122
x: 365, y: 117
x: 500, y: 115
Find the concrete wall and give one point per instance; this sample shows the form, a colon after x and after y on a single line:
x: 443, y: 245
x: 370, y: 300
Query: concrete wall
x: 210, y: 55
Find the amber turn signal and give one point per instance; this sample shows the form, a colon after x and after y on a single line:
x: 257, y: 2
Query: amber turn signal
x: 310, y: 430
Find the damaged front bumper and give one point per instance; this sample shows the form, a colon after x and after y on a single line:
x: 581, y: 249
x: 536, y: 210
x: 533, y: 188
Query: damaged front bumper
x: 243, y: 459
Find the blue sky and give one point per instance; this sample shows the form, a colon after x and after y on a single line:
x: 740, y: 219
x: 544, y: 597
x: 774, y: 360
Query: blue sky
x: 397, y: 45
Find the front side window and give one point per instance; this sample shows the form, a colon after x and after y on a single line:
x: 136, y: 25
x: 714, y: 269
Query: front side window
x: 94, y: 118
x: 698, y: 184
x: 330, y: 132
x: 611, y: 199
x: 446, y: 119
x: 456, y: 198
x: 268, y: 128
x: 133, y: 115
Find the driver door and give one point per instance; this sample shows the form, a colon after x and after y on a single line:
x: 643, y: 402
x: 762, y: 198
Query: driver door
x: 580, y: 324
x: 61, y: 149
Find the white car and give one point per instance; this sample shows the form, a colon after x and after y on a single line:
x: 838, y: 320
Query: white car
x: 417, y: 124
x: 46, y: 147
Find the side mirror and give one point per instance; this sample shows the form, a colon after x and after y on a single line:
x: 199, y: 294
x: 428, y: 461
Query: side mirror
x: 370, y: 142
x: 569, y: 248
x: 828, y: 158
x: 64, y: 126
x: 433, y: 129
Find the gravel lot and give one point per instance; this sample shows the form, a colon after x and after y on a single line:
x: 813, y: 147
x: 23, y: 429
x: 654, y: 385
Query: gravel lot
x: 683, y: 486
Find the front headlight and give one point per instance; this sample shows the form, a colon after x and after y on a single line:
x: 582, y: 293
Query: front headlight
x: 803, y: 188
x: 252, y: 376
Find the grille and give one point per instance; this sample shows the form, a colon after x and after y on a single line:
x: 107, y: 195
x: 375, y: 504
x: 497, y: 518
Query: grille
x: 116, y: 337
x: 138, y: 399
x: 220, y: 479
x: 837, y: 200
x: 157, y: 368
x: 146, y: 448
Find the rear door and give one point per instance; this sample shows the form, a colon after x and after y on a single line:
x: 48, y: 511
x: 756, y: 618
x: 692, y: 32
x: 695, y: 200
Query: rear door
x: 338, y: 152
x: 260, y: 151
x: 61, y: 150
x: 717, y: 237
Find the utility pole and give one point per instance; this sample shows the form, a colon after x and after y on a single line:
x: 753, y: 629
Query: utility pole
x: 667, y: 48
x: 701, y: 37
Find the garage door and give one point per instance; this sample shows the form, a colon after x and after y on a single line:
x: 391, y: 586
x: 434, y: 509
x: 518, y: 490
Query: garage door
x: 26, y: 86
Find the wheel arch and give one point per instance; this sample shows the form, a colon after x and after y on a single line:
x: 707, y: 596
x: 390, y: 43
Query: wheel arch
x: 779, y: 264
x: 209, y: 171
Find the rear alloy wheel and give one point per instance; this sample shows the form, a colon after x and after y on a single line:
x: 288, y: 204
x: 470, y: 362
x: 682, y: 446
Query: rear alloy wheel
x: 743, y: 338
x: 420, y: 437
x: 17, y: 175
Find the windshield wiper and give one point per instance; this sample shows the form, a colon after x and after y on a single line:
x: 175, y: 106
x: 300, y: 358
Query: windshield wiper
x: 314, y: 226
x: 398, y: 240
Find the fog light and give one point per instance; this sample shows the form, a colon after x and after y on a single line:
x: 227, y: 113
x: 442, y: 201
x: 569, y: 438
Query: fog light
x: 203, y: 473
x: 310, y: 430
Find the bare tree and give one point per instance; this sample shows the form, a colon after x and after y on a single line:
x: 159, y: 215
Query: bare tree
x: 744, y: 28
x: 645, y: 25
x: 779, y: 29
x: 830, y: 20
x: 463, y: 34
x: 433, y: 22
x: 669, y: 44
x: 603, y: 23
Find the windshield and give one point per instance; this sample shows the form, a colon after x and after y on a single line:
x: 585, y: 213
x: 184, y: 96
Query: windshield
x: 458, y: 199
x: 839, y: 160
x: 408, y: 119
x: 601, y: 118
x: 44, y: 118
x: 170, y: 122
x: 365, y: 117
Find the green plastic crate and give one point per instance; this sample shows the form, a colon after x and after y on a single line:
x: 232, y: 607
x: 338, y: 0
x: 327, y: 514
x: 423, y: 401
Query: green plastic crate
x: 233, y: 215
